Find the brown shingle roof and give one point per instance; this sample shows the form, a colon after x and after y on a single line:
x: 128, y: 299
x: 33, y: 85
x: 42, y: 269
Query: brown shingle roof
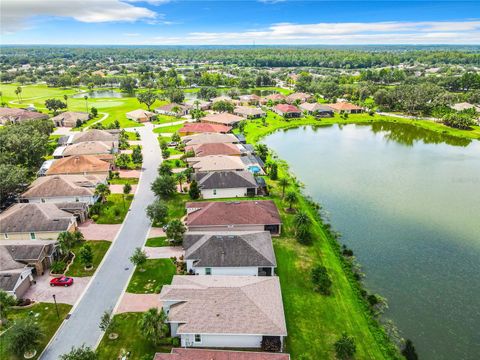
x: 216, y: 149
x: 204, y: 128
x: 94, y: 135
x: 63, y: 185
x: 209, y: 138
x: 226, y: 305
x: 216, y: 163
x: 88, y: 148
x: 248, y: 111
x: 222, y: 118
x: 207, y: 354
x: 69, y: 118
x: 344, y: 106
x: 232, y: 213
x: 15, y: 115
x: 286, y: 108
x: 78, y: 165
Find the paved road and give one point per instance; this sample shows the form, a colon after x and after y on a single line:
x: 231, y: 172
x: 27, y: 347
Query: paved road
x: 111, y: 278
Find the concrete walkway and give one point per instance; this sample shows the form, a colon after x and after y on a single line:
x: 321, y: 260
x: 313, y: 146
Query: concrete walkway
x: 114, y: 273
x: 164, y: 252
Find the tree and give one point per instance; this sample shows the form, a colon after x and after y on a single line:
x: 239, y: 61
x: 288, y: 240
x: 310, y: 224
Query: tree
x: 65, y: 97
x: 176, y: 137
x: 302, y: 219
x: 241, y: 125
x: 180, y: 177
x: 165, y: 169
x: 194, y: 191
x: 175, y: 95
x: 175, y: 231
x: 127, y: 188
x: 409, y: 351
x: 94, y: 112
x: 321, y: 280
x: 86, y: 256
x: 153, y: 325
x: 164, y: 186
x: 304, y: 235
x: 102, y: 191
x: 123, y: 161
x: 86, y: 102
x: 6, y: 302
x: 13, y: 179
x: 273, y: 173
x: 291, y: 198
x: 55, y: 105
x: 207, y: 93
x: 128, y: 84
x: 345, y: 347
x: 148, y: 98
x: 24, y: 336
x: 81, y: 353
x: 139, y: 257
x: 66, y: 241
x: 462, y: 121
x: 283, y: 182
x: 18, y: 92
x: 223, y: 106
x: 157, y: 212
x: 137, y: 156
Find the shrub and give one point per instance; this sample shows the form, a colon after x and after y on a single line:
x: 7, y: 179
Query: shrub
x: 175, y: 342
x: 194, y: 191
x: 139, y: 257
x: 86, y: 255
x: 461, y: 121
x: 58, y: 267
x: 24, y: 336
x: 81, y: 353
x: 157, y: 212
x: 304, y: 235
x: 321, y: 280
x: 175, y: 231
x: 271, y: 343
x: 345, y: 347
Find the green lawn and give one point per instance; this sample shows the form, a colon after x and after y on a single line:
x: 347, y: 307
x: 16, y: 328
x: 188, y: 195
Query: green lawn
x: 114, y: 210
x: 123, y: 181
x: 176, y: 206
x: 131, y: 135
x: 176, y: 163
x: 99, y: 248
x: 45, y: 315
x: 157, y: 272
x: 157, y: 242
x: 164, y: 119
x: 168, y: 129
x: 131, y: 340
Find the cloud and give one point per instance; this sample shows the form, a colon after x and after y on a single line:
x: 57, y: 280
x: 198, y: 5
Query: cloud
x: 17, y: 14
x: 151, y: 2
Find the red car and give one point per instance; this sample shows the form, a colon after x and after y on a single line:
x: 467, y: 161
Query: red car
x: 61, y: 281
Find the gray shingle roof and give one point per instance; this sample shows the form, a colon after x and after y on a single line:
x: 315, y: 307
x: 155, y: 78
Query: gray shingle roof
x: 211, y: 250
x: 226, y: 180
x: 9, y: 279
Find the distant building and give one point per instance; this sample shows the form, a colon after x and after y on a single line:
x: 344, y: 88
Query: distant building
x: 316, y: 109
x: 140, y: 115
x: 169, y: 109
x: 345, y: 107
x: 249, y: 112
x: 288, y: 111
x: 70, y: 118
x: 223, y: 118
x: 14, y: 115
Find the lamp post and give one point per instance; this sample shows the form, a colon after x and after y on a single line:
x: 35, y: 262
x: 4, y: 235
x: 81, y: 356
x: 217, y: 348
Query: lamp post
x: 56, y: 306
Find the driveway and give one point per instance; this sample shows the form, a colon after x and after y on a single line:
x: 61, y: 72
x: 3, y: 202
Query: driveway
x: 42, y: 291
x: 92, y: 231
x: 63, y: 131
x: 112, y: 276
x: 156, y: 232
x: 118, y: 189
x: 130, y: 173
x: 138, y: 303
x: 164, y: 252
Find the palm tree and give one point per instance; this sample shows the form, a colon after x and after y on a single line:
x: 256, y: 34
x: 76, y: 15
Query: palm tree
x: 102, y: 191
x: 283, y: 182
x: 66, y: 241
x: 65, y: 97
x: 24, y: 336
x: 291, y: 198
x: 6, y: 302
x: 1, y: 97
x: 177, y: 111
x: 302, y: 219
x: 152, y: 324
x: 180, y: 178
x: 86, y: 101
x: 18, y: 91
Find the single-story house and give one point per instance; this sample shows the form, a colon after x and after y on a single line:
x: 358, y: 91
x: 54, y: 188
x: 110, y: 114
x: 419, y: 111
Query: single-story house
x: 64, y: 188
x: 250, y: 99
x: 78, y: 209
x: 217, y: 216
x: 199, y: 128
x: 222, y: 98
x: 226, y: 184
x: 217, y: 149
x: 36, y: 254
x: 210, y: 138
x: 345, y: 107
x: 249, y: 112
x: 140, y: 115
x: 79, y: 165
x: 223, y: 118
x: 85, y: 148
x: 295, y: 97
x: 35, y: 221
x: 209, y: 354
x: 169, y: 109
x: 15, y: 278
x: 198, y: 104
x: 94, y: 135
x: 216, y: 163
x: 224, y: 311
x: 14, y: 115
x: 249, y: 254
x: 287, y: 110
x: 70, y: 118
x: 316, y: 109
x: 275, y: 98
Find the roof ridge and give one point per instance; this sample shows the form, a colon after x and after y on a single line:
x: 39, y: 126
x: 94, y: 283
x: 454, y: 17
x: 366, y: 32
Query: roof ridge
x: 251, y: 244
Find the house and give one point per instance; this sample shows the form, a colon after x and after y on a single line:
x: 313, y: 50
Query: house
x: 140, y: 115
x: 316, y: 109
x: 199, y: 128
x: 345, y: 107
x: 94, y: 135
x: 224, y: 311
x: 15, y: 277
x: 288, y: 111
x: 79, y: 165
x: 248, y: 254
x: 221, y: 98
x: 13, y: 115
x: 223, y: 118
x: 298, y: 97
x: 85, y: 148
x: 169, y: 109
x: 210, y: 138
x: 198, y: 104
x: 216, y: 163
x: 63, y: 188
x: 249, y: 112
x: 209, y: 354
x: 251, y: 99
x: 226, y: 184
x: 217, y: 149
x: 36, y: 254
x: 70, y: 118
x: 35, y: 221
x: 275, y: 98
x: 465, y: 106
x: 253, y: 164
x: 217, y: 216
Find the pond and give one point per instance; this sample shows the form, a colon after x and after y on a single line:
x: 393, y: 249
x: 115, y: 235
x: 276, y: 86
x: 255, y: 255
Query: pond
x: 407, y: 201
x: 101, y: 94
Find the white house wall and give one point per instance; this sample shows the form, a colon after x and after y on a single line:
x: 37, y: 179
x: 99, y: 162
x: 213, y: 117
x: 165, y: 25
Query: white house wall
x: 224, y: 193
x: 231, y: 271
x: 223, y: 341
x: 60, y: 199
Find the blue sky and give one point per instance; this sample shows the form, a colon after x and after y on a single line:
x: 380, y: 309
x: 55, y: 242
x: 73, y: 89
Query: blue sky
x: 169, y: 22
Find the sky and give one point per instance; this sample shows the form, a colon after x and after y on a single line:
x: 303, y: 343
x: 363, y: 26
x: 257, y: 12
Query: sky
x: 269, y: 22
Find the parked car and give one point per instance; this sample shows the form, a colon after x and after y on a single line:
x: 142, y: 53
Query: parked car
x: 61, y: 281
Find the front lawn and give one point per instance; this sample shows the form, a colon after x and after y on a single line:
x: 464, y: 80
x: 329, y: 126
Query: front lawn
x: 130, y: 340
x: 175, y: 163
x: 99, y: 248
x: 45, y: 315
x: 132, y: 135
x: 114, y: 210
x: 155, y: 274
x: 123, y: 181
x: 157, y: 242
x: 176, y: 206
x: 168, y: 129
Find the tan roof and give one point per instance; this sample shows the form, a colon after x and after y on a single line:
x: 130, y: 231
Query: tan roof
x: 14, y: 115
x: 33, y: 217
x: 298, y: 96
x: 344, y: 106
x: 224, y: 118
x: 465, y: 106
x: 94, y: 135
x: 209, y: 138
x: 78, y: 165
x: 216, y: 149
x: 63, y: 185
x: 139, y: 113
x: 88, y: 148
x: 216, y: 163
x: 204, y: 128
x: 232, y: 213
x: 209, y: 354
x: 169, y: 107
x: 314, y: 107
x: 249, y: 111
x: 226, y: 305
x: 275, y: 97
x: 71, y: 117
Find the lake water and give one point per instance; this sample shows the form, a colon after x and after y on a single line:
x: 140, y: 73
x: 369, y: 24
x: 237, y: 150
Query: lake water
x: 100, y: 94
x: 407, y: 201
